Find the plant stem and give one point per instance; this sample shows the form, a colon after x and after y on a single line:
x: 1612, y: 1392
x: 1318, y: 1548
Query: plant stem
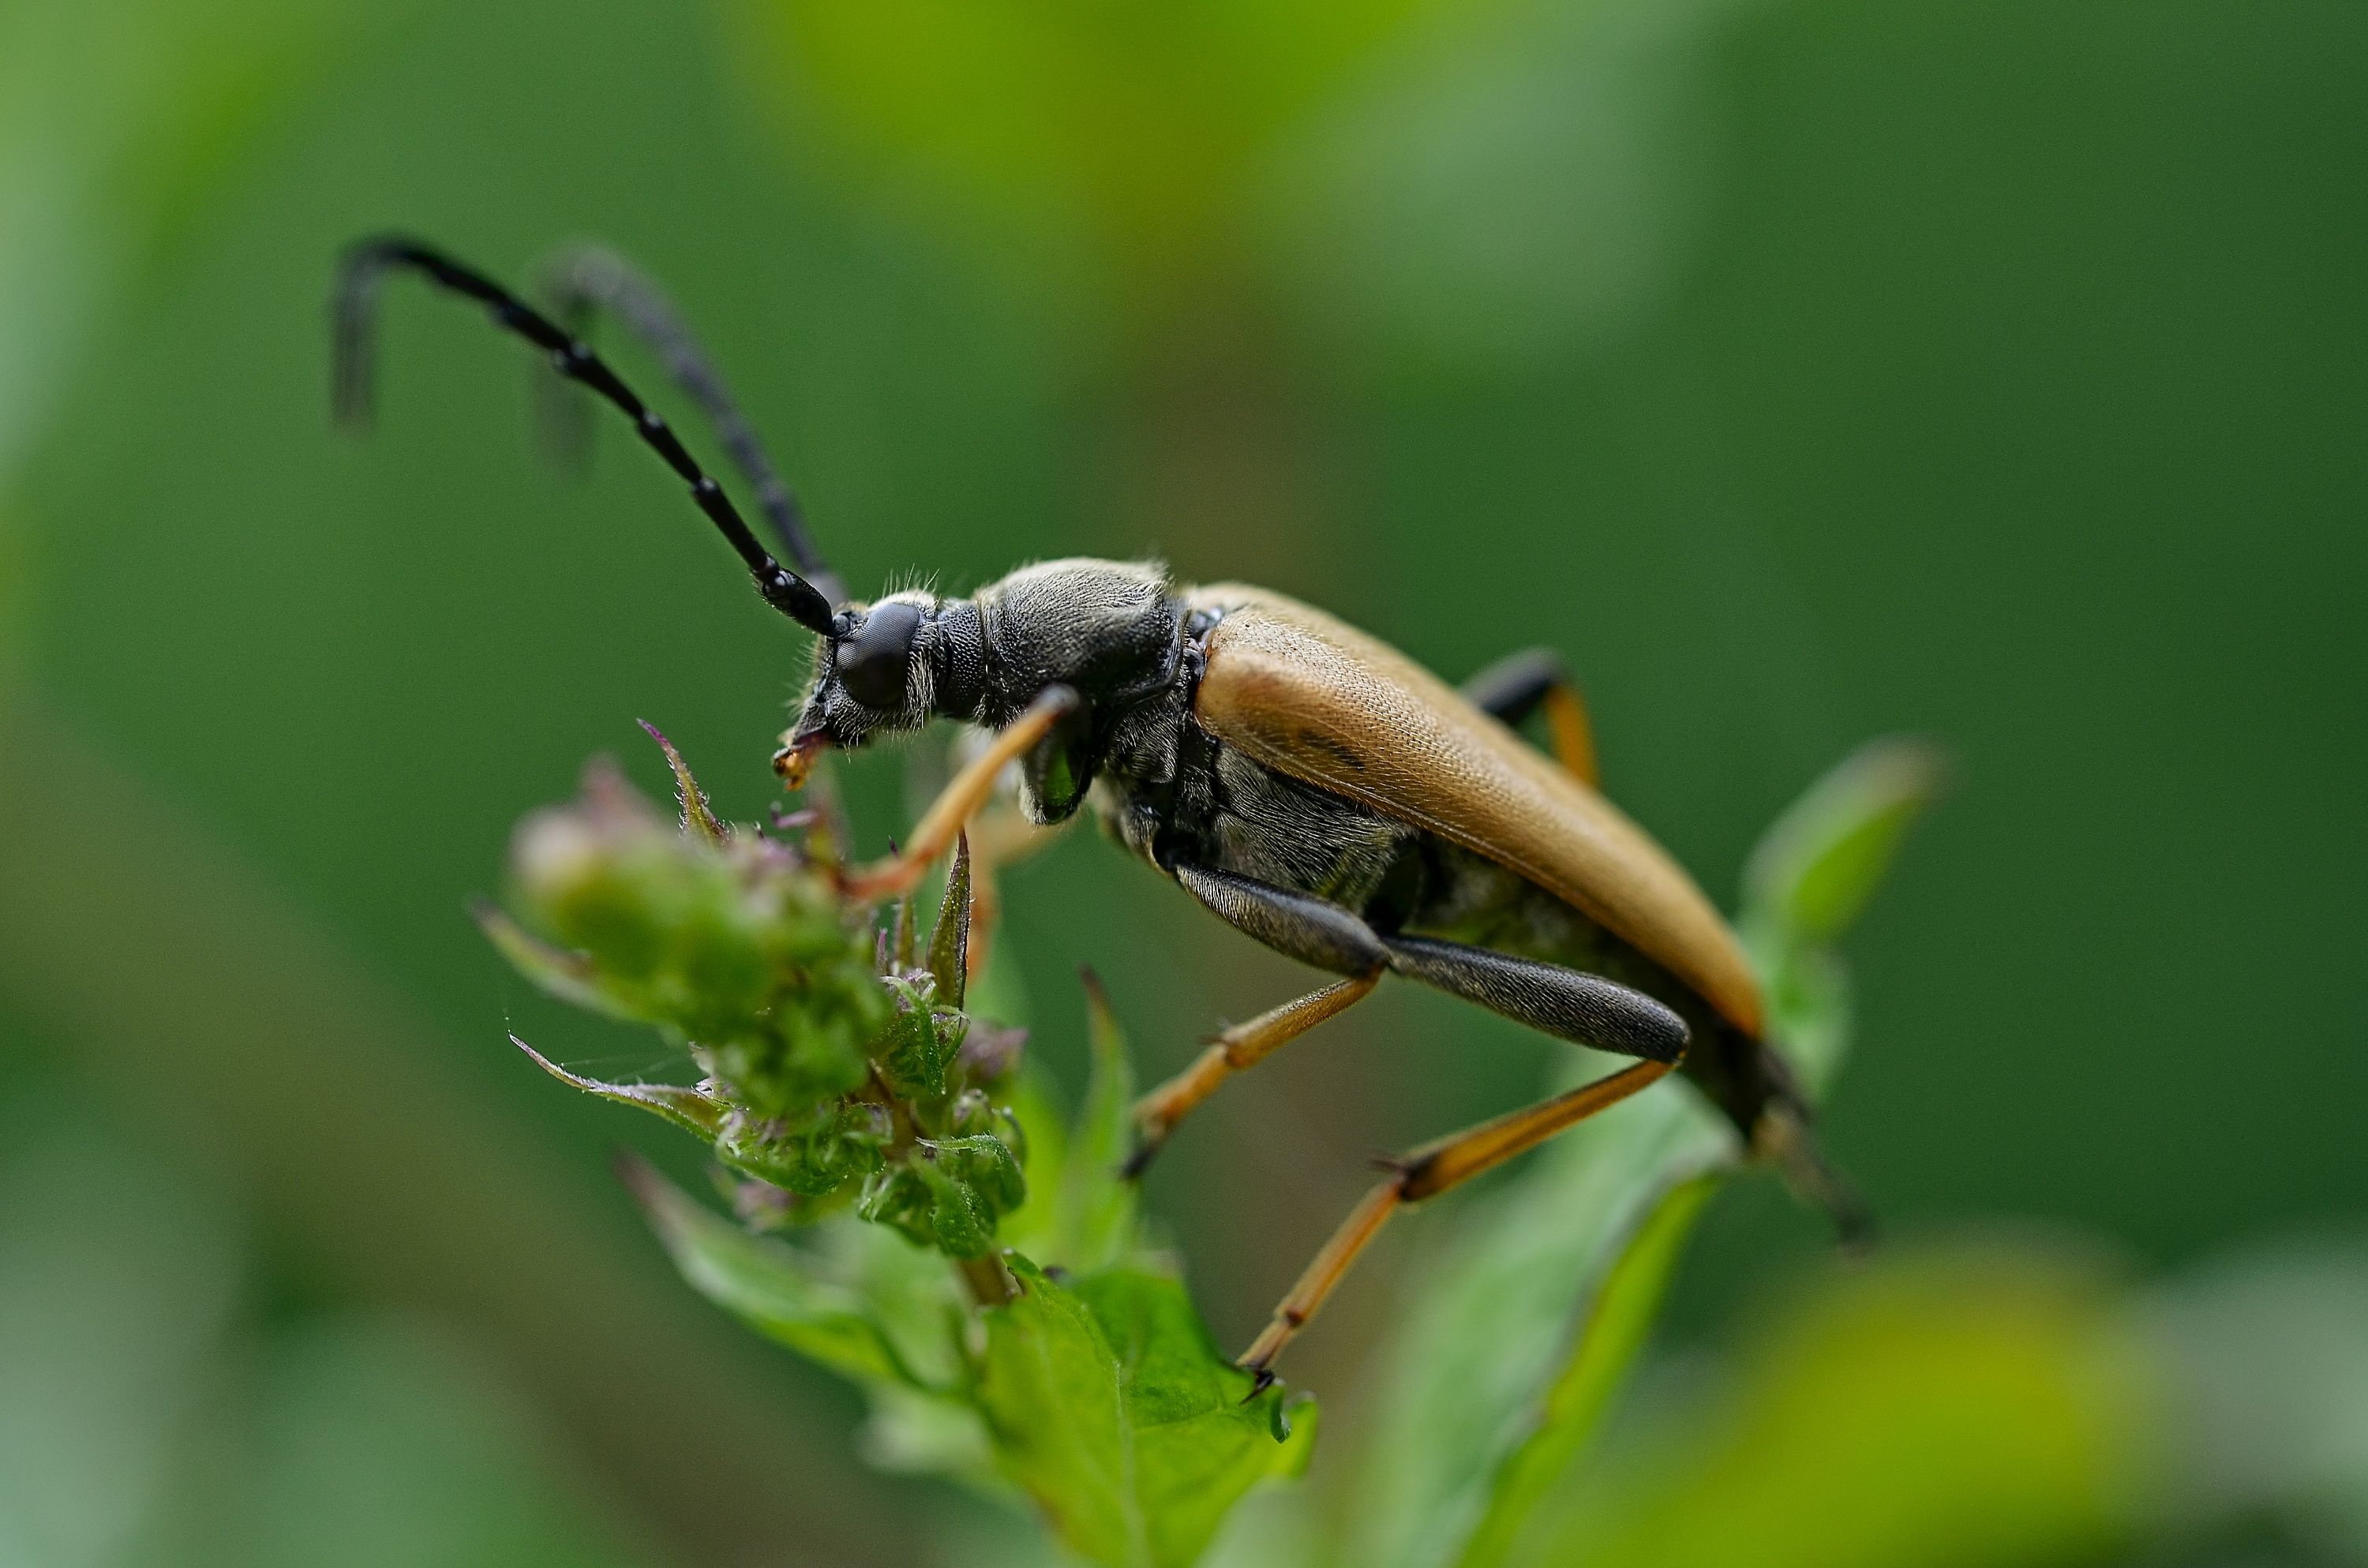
x: 990, y: 1284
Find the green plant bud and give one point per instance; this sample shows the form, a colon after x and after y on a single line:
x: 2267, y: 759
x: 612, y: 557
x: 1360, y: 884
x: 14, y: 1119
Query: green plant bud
x: 973, y: 1115
x: 745, y: 950
x: 986, y: 1163
x: 947, y: 1193
x: 833, y: 1145
x: 916, y: 1052
x: 813, y: 1051
x: 597, y: 891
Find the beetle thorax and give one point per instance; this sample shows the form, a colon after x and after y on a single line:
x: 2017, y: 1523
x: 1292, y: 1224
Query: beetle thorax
x: 1109, y: 629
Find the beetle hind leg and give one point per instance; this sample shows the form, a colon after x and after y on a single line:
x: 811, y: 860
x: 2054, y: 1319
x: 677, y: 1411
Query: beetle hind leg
x: 1427, y: 1173
x: 1520, y: 684
x: 1568, y: 1004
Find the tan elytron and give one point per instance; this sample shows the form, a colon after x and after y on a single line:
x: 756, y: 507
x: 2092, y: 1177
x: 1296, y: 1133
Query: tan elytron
x: 1317, y: 700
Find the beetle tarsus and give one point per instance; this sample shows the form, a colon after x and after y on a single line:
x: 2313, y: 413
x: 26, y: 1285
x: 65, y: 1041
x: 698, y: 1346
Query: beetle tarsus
x: 1145, y: 1151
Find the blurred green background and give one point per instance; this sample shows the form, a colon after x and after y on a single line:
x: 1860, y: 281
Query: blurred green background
x: 1802, y: 368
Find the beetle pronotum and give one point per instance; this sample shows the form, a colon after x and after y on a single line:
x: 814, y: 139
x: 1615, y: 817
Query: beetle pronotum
x: 1308, y: 785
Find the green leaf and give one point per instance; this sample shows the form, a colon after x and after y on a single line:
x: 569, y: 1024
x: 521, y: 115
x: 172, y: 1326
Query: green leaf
x: 1608, y: 1342
x: 813, y: 1155
x: 777, y: 1290
x: 1815, y: 871
x: 1977, y: 1408
x: 1036, y: 1226
x: 1536, y: 1308
x: 1096, y: 1222
x: 1508, y: 1298
x: 566, y: 975
x: 1110, y: 1405
x: 692, y: 1110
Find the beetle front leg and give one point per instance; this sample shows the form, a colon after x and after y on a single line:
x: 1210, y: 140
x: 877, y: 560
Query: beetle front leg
x: 1427, y: 1173
x: 1516, y: 685
x: 960, y: 799
x: 1000, y: 836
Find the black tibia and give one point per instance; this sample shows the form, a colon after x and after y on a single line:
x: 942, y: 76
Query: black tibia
x: 356, y: 304
x: 1511, y: 688
x: 585, y: 279
x: 1312, y: 930
x: 1585, y: 1009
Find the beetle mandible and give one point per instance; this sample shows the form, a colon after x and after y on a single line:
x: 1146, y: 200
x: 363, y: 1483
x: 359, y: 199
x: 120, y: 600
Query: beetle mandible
x: 1308, y: 784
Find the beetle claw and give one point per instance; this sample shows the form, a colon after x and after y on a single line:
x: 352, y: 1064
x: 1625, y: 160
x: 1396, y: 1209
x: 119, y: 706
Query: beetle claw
x: 1147, y: 1150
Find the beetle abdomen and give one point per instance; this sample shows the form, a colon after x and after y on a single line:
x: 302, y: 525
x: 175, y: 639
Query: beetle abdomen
x: 1450, y: 894
x: 1320, y: 702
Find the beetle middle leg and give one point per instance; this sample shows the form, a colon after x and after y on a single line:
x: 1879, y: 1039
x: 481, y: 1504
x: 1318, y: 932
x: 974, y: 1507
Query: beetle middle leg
x: 1317, y: 932
x: 1239, y: 1047
x: 1520, y: 683
x: 1566, y: 1002
x: 1427, y: 1173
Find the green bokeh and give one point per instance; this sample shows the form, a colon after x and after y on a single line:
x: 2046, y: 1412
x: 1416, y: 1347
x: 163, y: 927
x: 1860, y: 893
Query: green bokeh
x: 1802, y: 368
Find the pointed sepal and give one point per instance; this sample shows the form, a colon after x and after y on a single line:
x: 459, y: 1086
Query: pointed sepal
x: 693, y: 1109
x: 697, y: 818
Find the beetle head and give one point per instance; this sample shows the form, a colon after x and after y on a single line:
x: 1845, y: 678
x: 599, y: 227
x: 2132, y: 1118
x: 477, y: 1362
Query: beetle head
x: 888, y: 667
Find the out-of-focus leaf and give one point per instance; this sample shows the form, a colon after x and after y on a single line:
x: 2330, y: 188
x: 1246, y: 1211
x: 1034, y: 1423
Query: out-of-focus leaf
x: 119, y: 1275
x: 1110, y: 1405
x: 1504, y: 1302
x: 691, y: 1109
x: 565, y: 976
x: 1099, y: 1207
x: 1974, y: 1410
x: 1035, y: 1228
x: 1393, y: 208
x: 1504, y: 1367
x: 775, y: 1288
x: 1814, y: 869
x: 1137, y: 124
x: 1614, y: 1334
x: 2265, y: 1358
x: 917, y: 1434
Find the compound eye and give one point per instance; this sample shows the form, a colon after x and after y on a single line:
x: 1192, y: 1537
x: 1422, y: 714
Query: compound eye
x: 872, y: 663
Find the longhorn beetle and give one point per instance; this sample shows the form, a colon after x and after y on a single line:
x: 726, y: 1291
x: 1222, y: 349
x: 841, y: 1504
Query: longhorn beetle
x: 1308, y: 784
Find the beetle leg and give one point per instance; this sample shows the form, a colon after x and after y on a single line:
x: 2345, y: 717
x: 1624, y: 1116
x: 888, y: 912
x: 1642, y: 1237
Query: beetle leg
x: 1243, y: 1045
x: 1316, y: 931
x: 1568, y: 1004
x: 961, y: 800
x: 1427, y: 1173
x: 1517, y: 686
x: 1000, y: 835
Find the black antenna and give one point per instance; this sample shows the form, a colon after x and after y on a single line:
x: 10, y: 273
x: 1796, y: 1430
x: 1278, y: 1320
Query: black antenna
x: 585, y: 278
x: 354, y: 308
